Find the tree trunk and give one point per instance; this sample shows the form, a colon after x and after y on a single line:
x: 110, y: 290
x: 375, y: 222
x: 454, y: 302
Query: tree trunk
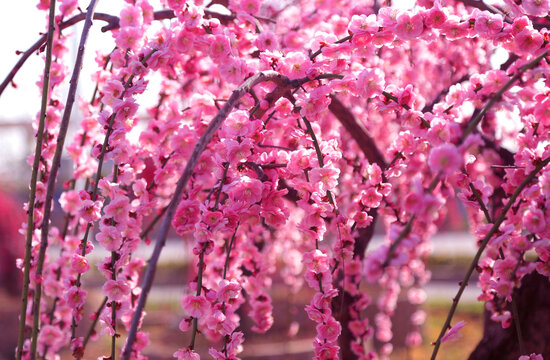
x: 533, y: 302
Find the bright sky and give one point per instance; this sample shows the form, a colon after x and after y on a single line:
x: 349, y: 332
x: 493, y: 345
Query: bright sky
x: 23, y: 103
x: 25, y: 22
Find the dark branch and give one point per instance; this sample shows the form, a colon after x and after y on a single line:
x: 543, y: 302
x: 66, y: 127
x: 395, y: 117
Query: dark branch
x: 357, y: 131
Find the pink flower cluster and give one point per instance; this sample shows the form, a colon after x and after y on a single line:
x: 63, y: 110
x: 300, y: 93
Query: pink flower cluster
x: 357, y: 116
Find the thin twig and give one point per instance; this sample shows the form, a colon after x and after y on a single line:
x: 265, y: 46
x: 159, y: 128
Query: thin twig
x: 34, y: 179
x: 498, y: 95
x: 199, y: 288
x: 93, y: 324
x: 84, y: 241
x: 53, y: 173
x: 484, y: 243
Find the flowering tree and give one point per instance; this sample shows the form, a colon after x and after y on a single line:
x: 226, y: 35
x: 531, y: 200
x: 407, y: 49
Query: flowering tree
x: 284, y: 131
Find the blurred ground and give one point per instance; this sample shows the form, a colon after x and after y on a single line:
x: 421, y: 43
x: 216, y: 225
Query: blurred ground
x: 165, y: 313
x: 162, y: 324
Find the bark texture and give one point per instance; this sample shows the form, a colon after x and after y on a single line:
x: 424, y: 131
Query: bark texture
x: 533, y: 301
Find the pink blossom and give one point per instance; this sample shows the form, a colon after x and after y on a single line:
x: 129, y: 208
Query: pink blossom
x: 70, y: 202
x: 435, y: 17
x: 533, y: 356
x: 185, y: 323
x: 388, y: 16
x: 318, y: 280
x: 184, y: 40
x: 416, y: 295
x: 129, y: 38
x: 445, y: 158
x: 520, y: 23
x: 362, y: 219
x: 329, y: 331
x: 50, y: 336
x: 75, y: 297
x: 315, y: 314
x: 326, y: 177
x: 323, y: 300
x: 220, y: 48
x: 195, y: 306
x: 266, y: 41
x: 295, y: 65
x: 186, y: 216
x: 116, y: 290
x: 503, y: 268
x: 234, y: 70
x: 251, y: 7
x: 528, y: 41
x: 228, y: 290
x: 176, y: 5
x: 370, y: 82
x: 90, y: 210
x: 79, y: 263
x: 131, y: 16
x: 453, y: 333
x: 234, y: 345
x: 325, y: 350
x: 454, y: 28
x: 536, y: 7
x: 534, y: 220
x: 262, y: 313
x: 110, y: 238
x: 118, y: 209
x: 408, y: 27
x: 316, y: 261
x: 371, y: 198
x: 237, y: 151
x: 301, y: 160
x: 363, y: 27
x: 487, y: 24
x: 191, y: 16
x: 315, y: 102
x: 219, y: 323
x: 247, y: 190
x: 186, y: 354
x: 124, y: 109
x: 238, y: 123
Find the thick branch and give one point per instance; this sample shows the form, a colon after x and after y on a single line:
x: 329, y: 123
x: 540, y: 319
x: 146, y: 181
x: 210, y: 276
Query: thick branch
x: 357, y: 131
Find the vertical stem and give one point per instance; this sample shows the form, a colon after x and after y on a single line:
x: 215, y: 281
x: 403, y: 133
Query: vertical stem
x: 53, y: 175
x: 113, y: 308
x: 517, y: 324
x: 199, y: 288
x: 84, y: 241
x: 34, y: 178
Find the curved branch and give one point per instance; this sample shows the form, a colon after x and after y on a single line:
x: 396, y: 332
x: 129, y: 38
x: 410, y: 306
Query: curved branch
x: 216, y: 122
x: 113, y: 23
x: 498, y: 95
